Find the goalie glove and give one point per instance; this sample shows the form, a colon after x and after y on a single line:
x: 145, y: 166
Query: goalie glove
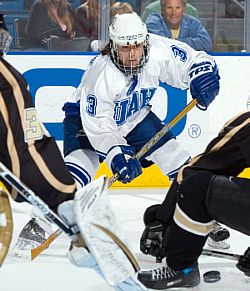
x: 204, y: 85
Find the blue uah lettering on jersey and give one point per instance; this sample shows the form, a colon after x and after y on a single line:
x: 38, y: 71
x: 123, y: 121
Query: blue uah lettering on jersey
x: 146, y: 95
x: 120, y: 110
x: 134, y: 104
x: 129, y: 106
x: 179, y: 52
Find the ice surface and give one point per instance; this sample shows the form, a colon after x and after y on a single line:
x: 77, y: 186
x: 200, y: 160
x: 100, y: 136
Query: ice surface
x: 52, y: 271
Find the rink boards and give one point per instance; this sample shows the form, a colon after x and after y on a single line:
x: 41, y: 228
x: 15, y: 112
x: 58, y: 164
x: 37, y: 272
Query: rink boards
x: 53, y: 77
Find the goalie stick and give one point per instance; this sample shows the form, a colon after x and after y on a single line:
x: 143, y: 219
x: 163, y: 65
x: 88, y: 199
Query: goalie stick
x: 34, y: 200
x: 206, y: 252
x: 35, y: 252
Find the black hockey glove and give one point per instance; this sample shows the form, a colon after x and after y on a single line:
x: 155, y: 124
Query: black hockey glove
x: 244, y: 263
x: 152, y: 238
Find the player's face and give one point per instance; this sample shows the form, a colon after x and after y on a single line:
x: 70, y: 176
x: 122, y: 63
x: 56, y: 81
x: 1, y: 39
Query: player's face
x: 173, y: 12
x: 130, y: 55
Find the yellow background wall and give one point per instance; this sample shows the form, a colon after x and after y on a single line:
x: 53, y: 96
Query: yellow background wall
x: 151, y: 178
x: 245, y: 174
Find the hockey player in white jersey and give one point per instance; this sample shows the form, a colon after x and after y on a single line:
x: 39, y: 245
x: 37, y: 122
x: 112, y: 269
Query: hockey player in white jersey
x: 114, y: 100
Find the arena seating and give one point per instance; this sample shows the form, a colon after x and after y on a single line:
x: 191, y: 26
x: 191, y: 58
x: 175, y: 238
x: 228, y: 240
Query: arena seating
x: 228, y: 35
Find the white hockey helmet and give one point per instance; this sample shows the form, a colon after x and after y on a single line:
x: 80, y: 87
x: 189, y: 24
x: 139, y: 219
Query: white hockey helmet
x: 5, y: 37
x: 128, y: 29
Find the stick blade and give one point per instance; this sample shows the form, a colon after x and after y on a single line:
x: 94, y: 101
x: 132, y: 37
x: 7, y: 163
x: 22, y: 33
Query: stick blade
x: 35, y: 252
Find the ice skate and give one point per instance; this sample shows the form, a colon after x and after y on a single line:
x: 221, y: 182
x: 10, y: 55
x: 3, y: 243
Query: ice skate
x: 218, y: 237
x: 164, y: 278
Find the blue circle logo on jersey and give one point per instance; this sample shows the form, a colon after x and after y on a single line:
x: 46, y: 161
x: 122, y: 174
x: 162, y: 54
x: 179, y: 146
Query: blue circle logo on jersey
x: 45, y: 77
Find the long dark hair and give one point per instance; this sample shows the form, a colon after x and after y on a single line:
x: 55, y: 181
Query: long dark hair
x: 106, y: 50
x: 63, y: 12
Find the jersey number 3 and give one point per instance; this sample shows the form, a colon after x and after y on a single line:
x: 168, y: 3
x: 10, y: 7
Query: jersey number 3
x: 91, y: 107
x: 34, y: 129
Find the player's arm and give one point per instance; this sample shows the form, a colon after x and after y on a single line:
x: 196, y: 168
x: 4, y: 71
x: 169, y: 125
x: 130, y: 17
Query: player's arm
x: 185, y: 68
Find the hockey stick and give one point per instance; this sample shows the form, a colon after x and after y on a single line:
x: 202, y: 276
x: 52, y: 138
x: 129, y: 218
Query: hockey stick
x: 219, y: 254
x: 243, y: 261
x: 34, y: 200
x: 38, y: 250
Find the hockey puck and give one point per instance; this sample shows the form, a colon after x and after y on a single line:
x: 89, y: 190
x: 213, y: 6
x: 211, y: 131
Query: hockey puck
x: 211, y: 276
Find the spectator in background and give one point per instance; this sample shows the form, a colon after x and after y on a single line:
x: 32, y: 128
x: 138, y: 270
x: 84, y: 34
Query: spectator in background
x: 173, y: 23
x: 156, y: 7
x: 51, y: 18
x: 116, y: 8
x: 88, y: 16
x: 120, y: 8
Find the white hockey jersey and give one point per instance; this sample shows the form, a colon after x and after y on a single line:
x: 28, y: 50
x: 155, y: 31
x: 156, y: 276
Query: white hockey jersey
x: 110, y: 104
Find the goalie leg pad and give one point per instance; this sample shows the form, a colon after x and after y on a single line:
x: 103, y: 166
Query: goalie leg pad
x: 6, y: 225
x: 102, y: 234
x: 228, y: 202
x: 81, y: 257
x: 131, y: 284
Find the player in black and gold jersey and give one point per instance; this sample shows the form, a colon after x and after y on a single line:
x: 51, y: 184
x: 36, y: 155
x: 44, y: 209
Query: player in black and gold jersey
x: 207, y: 189
x: 26, y: 148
